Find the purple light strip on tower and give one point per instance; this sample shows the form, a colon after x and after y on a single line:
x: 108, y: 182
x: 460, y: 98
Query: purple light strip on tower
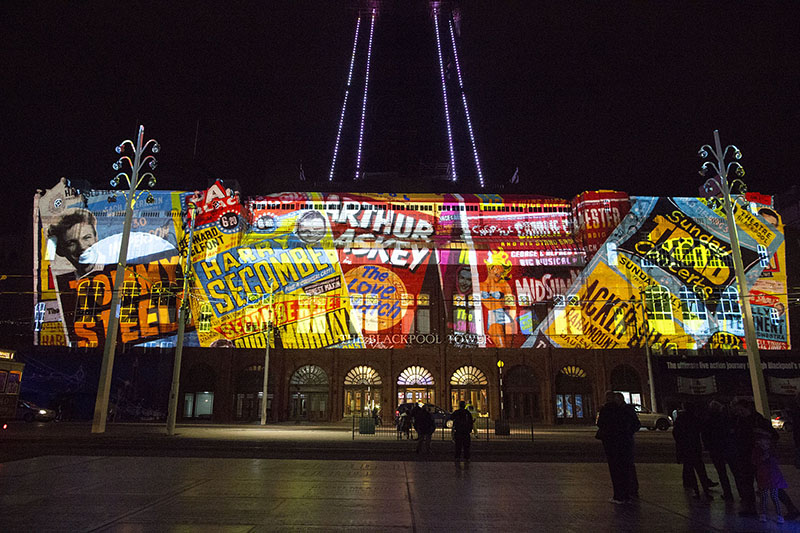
x: 466, y: 109
x: 344, y: 103
x: 364, y: 102
x: 444, y: 96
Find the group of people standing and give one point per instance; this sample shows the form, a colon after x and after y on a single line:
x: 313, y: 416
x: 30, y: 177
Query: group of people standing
x: 420, y: 418
x: 740, y: 440
x: 736, y: 437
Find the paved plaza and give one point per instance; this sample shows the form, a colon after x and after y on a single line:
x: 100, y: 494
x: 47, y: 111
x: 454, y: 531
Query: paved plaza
x: 131, y: 494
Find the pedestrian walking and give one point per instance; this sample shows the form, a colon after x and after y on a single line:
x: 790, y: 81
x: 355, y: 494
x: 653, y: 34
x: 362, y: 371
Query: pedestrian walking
x: 474, y: 413
x: 718, y: 440
x: 768, y: 474
x: 689, y: 451
x: 425, y: 426
x: 616, y: 425
x: 404, y: 426
x: 462, y: 428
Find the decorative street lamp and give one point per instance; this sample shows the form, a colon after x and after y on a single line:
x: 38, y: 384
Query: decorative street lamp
x: 183, y: 317
x: 139, y: 160
x: 721, y: 181
x: 266, y: 358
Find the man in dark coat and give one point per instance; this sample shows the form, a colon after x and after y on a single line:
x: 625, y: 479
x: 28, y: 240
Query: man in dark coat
x: 616, y: 425
x: 717, y: 434
x: 462, y: 428
x: 689, y: 451
x: 425, y: 426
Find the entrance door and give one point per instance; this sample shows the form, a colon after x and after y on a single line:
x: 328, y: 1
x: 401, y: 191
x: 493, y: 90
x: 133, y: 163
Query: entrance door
x: 571, y: 407
x: 415, y: 395
x: 521, y: 405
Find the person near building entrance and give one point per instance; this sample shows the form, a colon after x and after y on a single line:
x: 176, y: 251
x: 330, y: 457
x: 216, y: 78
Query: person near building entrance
x: 616, y: 425
x: 462, y: 427
x: 474, y: 414
x: 425, y: 426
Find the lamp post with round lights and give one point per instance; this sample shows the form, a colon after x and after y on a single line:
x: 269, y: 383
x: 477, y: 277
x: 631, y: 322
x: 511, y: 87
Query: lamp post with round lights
x: 719, y: 183
x: 184, y: 312
x: 140, y: 159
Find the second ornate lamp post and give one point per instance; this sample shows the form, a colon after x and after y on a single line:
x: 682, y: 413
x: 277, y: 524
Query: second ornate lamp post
x: 138, y: 151
x: 721, y: 180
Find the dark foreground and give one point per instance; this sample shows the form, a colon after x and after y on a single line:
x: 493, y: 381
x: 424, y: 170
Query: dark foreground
x: 132, y: 494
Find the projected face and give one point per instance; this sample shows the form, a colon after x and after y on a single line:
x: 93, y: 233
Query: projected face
x: 464, y: 281
x: 311, y: 227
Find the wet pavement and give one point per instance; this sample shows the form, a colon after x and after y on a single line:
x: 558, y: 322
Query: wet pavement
x: 131, y: 494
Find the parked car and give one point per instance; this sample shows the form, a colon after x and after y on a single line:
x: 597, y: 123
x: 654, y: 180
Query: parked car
x: 439, y: 415
x: 651, y: 420
x: 29, y: 411
x: 780, y: 420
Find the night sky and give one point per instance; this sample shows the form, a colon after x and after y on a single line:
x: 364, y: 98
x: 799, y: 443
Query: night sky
x: 579, y: 96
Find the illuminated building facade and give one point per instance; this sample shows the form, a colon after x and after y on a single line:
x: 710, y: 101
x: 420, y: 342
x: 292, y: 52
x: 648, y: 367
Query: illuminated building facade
x: 370, y: 300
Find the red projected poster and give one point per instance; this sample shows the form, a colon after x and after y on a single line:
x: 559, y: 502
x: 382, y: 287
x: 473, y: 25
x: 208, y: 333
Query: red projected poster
x: 517, y: 255
x: 384, y: 246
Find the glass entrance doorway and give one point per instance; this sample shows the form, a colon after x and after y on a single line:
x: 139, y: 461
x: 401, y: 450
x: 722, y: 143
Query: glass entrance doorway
x: 415, y: 395
x: 415, y: 384
x: 470, y: 385
x: 573, y: 397
x: 308, y: 394
x: 362, y: 391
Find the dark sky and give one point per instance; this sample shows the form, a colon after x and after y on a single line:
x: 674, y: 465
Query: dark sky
x: 578, y: 95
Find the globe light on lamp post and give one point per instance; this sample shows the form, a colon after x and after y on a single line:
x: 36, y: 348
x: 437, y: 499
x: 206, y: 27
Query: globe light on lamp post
x: 718, y: 186
x: 500, y: 365
x: 140, y: 159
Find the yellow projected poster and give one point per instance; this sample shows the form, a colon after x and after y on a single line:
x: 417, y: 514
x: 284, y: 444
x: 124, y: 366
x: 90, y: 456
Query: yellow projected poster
x: 284, y: 271
x: 664, y: 278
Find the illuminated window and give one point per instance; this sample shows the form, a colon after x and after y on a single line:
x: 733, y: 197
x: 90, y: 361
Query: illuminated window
x: 415, y: 375
x: 362, y: 375
x: 763, y: 256
x: 468, y: 375
x: 128, y: 306
x: 694, y: 307
x: 204, y: 320
x: 38, y: 316
x: 568, y: 317
x: 90, y: 298
x: 730, y: 313
x: 774, y: 316
x: 658, y: 304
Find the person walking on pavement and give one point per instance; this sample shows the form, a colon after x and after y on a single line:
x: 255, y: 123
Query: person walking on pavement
x: 474, y: 414
x: 425, y: 426
x: 616, y: 426
x: 717, y: 438
x: 689, y: 451
x: 462, y: 428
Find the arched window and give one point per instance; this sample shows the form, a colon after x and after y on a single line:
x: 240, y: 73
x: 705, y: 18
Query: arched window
x: 309, y: 375
x: 468, y: 375
x: 362, y: 375
x: 415, y: 375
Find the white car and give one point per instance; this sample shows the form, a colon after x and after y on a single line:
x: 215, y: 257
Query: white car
x: 651, y: 420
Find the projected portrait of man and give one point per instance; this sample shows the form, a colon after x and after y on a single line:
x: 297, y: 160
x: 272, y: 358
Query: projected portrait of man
x: 311, y: 227
x: 74, y: 233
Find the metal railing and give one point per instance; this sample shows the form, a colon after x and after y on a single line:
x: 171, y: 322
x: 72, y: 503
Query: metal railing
x: 485, y: 430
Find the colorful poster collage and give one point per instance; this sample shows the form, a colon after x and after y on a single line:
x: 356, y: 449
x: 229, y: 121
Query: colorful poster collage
x: 363, y: 270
